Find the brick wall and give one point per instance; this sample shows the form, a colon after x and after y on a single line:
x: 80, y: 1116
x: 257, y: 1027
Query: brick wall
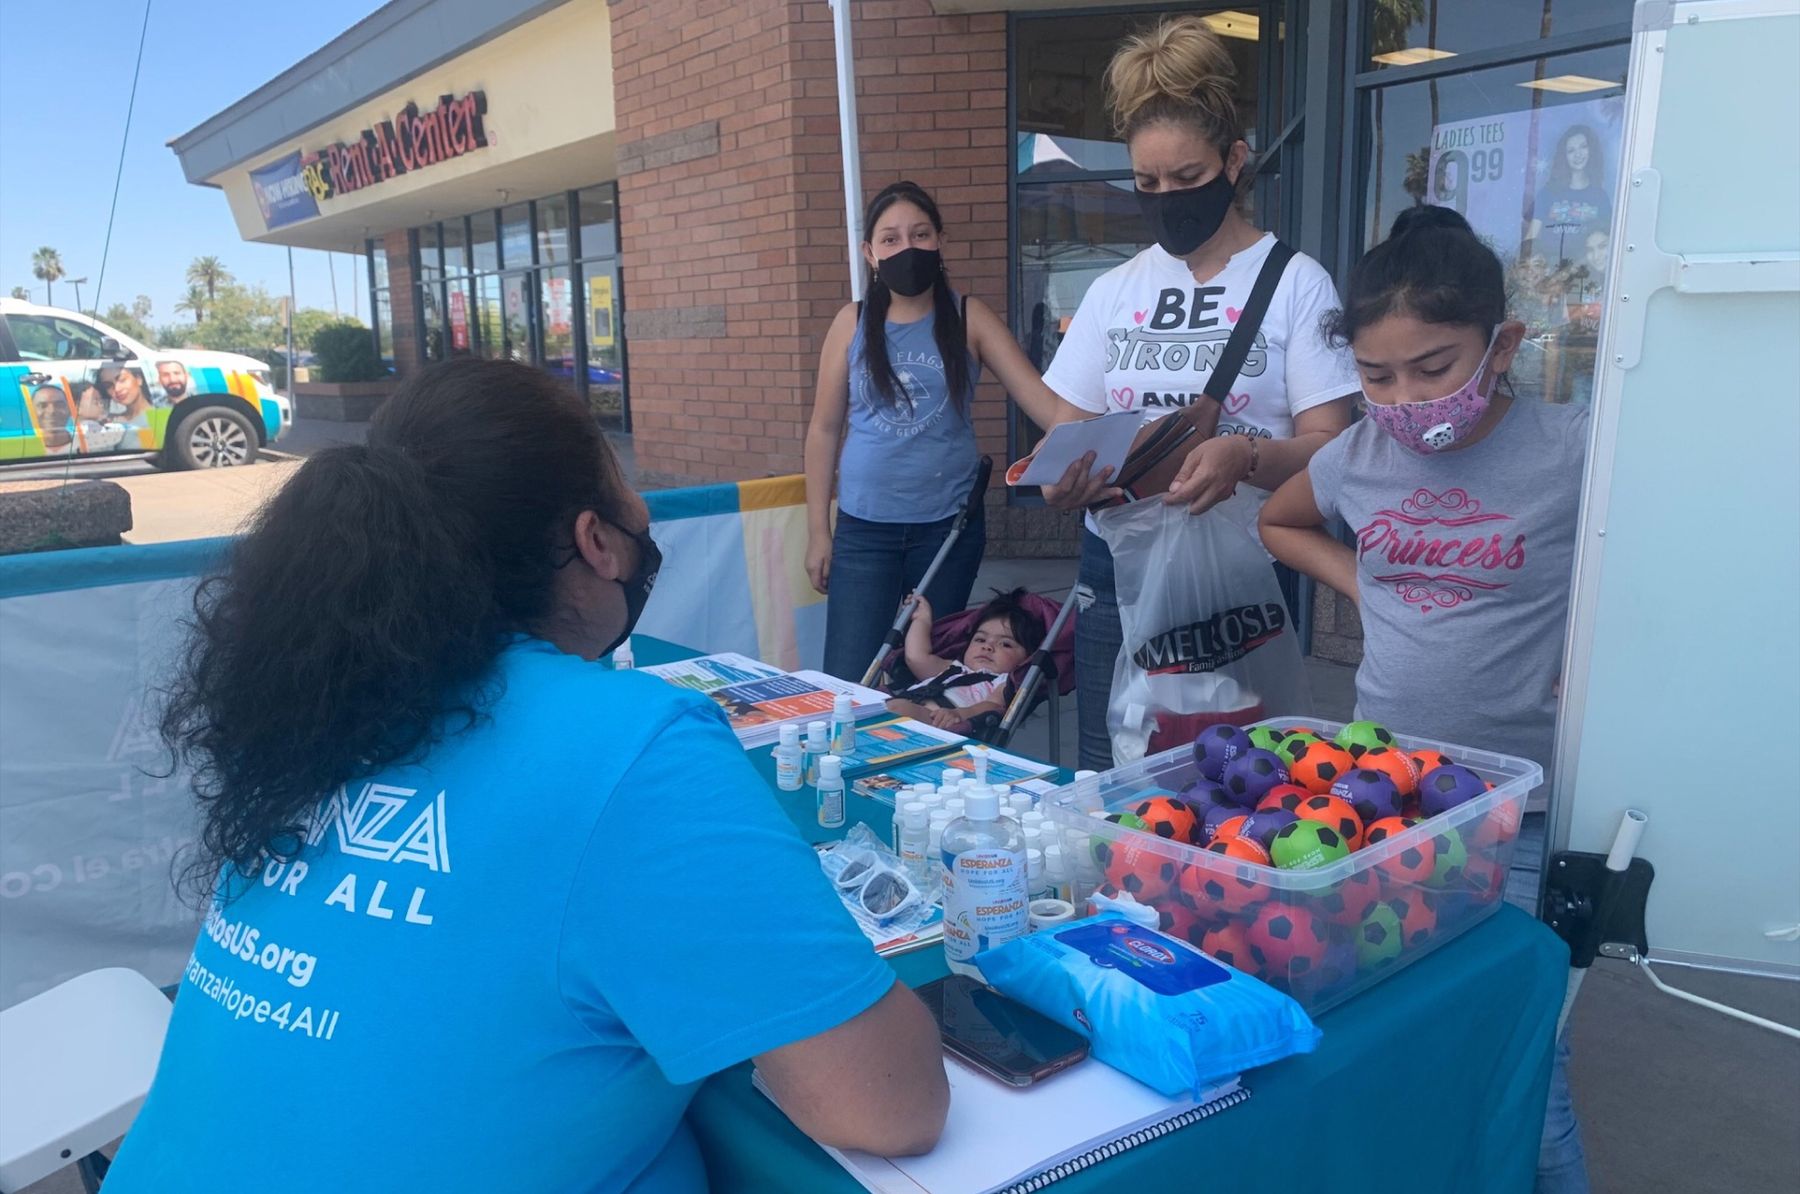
x: 403, y: 297
x: 731, y: 210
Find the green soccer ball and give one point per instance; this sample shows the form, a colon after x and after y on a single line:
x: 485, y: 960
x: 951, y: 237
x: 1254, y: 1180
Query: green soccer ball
x: 1452, y: 857
x: 1379, y: 937
x: 1307, y: 845
x: 1359, y: 736
x: 1292, y: 746
x: 1104, y: 850
x: 1266, y: 738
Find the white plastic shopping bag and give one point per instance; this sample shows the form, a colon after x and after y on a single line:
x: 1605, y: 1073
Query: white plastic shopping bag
x: 1207, y: 636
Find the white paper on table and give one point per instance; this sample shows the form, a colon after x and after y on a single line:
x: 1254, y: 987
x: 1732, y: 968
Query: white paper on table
x: 1108, y: 437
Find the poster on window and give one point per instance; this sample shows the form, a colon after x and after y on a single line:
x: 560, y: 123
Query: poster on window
x: 1533, y: 183
x: 600, y: 311
x: 459, y: 321
x: 561, y: 321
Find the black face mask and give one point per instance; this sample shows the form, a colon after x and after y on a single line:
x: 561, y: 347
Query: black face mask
x: 637, y: 586
x: 910, y: 271
x: 1182, y: 221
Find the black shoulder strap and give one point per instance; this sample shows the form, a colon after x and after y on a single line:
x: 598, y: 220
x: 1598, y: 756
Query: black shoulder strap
x: 1225, y: 373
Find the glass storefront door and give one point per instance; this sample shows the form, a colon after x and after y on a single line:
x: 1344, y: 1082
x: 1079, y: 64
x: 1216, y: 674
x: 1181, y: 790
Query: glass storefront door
x: 520, y: 319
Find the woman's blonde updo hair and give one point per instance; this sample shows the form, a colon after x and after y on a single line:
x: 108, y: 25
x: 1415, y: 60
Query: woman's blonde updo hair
x: 1180, y: 72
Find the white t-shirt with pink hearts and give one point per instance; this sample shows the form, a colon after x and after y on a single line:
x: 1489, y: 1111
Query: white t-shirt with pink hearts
x: 1146, y: 336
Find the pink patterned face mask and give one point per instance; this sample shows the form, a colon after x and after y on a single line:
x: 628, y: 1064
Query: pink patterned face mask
x: 1427, y: 427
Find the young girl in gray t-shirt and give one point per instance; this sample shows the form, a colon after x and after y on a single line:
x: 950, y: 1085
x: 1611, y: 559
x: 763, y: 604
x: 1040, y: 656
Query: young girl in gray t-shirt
x: 1463, y: 501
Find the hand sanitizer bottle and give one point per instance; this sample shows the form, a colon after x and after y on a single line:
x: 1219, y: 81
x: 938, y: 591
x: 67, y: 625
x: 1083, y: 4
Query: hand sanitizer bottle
x: 818, y: 745
x: 985, y: 901
x: 843, y: 725
x: 790, y: 760
x: 831, y: 792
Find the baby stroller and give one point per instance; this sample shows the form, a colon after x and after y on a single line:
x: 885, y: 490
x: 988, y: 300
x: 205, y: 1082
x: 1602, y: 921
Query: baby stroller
x: 1025, y: 688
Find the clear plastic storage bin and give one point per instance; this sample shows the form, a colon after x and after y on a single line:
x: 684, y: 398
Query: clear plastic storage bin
x: 1317, y: 934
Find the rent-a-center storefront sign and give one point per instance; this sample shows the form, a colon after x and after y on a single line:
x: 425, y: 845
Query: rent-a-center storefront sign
x: 412, y: 140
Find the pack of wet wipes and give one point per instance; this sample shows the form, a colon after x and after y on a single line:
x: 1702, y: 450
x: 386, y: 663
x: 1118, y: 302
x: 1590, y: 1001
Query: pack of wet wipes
x: 1152, y: 1006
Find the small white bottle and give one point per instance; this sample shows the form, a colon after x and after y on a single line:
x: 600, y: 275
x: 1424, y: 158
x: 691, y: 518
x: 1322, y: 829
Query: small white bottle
x: 843, y: 725
x: 790, y: 759
x: 1036, y: 887
x: 831, y: 792
x: 934, y: 840
x: 956, y: 806
x: 818, y: 745
x: 985, y: 881
x: 1034, y: 820
x: 1034, y: 838
x: 1056, y: 874
x: 913, y: 840
x: 622, y: 658
x: 952, y: 778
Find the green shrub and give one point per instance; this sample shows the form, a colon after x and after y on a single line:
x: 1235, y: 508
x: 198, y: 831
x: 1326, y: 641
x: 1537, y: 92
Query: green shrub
x: 346, y: 352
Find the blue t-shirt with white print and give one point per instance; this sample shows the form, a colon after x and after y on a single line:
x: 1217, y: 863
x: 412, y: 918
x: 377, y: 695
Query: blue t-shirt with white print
x: 507, y: 966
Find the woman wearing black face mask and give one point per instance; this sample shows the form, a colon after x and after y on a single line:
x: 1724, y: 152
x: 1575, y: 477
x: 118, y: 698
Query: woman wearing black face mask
x: 435, y: 838
x: 892, y: 423
x: 1148, y: 332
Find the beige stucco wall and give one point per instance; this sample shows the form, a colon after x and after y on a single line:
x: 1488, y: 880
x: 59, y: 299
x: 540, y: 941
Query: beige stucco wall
x: 549, y: 126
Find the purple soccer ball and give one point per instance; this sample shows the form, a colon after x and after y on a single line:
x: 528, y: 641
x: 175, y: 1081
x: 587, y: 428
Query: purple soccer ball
x: 1216, y: 747
x: 1263, y: 824
x: 1249, y: 777
x: 1443, y: 788
x: 1204, y: 795
x: 1373, y: 794
x: 1215, y: 818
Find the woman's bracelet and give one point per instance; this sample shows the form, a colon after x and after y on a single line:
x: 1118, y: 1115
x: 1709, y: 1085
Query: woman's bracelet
x: 1254, y: 458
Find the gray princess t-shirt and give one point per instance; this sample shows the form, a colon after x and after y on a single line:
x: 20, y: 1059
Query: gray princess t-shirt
x: 1463, y: 567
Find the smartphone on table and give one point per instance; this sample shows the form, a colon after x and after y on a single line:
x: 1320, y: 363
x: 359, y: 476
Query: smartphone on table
x: 997, y: 1035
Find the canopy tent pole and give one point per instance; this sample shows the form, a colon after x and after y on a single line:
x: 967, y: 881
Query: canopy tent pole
x: 851, y: 140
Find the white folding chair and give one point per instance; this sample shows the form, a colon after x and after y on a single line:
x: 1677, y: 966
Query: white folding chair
x: 75, y: 1065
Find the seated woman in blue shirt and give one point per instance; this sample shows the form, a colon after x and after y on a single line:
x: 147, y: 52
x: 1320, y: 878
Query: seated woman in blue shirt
x: 481, y: 913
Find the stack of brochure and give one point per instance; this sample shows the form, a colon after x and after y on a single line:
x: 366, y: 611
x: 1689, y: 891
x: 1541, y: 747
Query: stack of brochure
x: 759, y: 700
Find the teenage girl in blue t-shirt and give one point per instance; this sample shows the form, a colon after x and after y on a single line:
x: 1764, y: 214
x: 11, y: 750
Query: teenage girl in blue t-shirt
x: 893, y: 425
x: 1465, y: 604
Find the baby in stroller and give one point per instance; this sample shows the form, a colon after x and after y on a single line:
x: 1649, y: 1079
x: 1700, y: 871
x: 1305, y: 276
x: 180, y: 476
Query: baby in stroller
x: 1006, y: 634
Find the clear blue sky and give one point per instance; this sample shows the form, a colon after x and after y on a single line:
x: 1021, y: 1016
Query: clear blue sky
x: 68, y: 68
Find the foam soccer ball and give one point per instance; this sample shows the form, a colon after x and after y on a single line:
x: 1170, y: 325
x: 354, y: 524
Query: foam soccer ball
x: 1446, y: 787
x: 1295, y: 742
x: 1266, y: 737
x: 1103, y: 850
x: 1167, y: 817
x: 1318, y: 765
x: 1262, y: 825
x: 1249, y: 777
x: 1141, y: 872
x: 1180, y: 921
x: 1359, y: 736
x: 1240, y: 848
x: 1395, y: 765
x: 1289, y: 941
x: 1209, y: 826
x: 1284, y: 796
x: 1349, y: 901
x: 1411, y: 866
x: 1418, y: 919
x: 1225, y: 891
x: 1371, y: 793
x: 1229, y: 828
x: 1307, y: 845
x: 1337, y: 813
x: 1425, y: 760
x: 1379, y: 937
x: 1228, y: 945
x: 1335, y: 969
x: 1216, y: 746
x: 1498, y: 827
x: 1452, y: 857
x: 1204, y: 795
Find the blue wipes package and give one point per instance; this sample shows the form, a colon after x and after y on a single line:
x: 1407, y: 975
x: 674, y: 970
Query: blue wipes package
x: 1153, y: 1007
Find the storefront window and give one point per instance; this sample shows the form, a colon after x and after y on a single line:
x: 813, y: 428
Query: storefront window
x: 1069, y: 234
x: 599, y: 214
x: 431, y: 262
x: 553, y: 230
x: 515, y: 236
x: 1408, y: 32
x: 378, y: 265
x: 605, y: 362
x: 520, y: 316
x: 482, y: 242
x: 1529, y: 153
x: 558, y: 321
x: 456, y: 247
x: 459, y: 318
x: 384, y: 328
x: 431, y: 321
x: 490, y: 338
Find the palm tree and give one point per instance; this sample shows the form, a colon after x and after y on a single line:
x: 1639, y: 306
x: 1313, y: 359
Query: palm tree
x: 140, y: 308
x: 196, y: 301
x: 1389, y: 23
x: 210, y: 273
x: 47, y: 267
x: 19, y: 292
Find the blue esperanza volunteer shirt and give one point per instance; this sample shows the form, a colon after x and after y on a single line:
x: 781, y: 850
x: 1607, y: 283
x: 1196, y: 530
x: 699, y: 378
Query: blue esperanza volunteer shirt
x: 507, y: 967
